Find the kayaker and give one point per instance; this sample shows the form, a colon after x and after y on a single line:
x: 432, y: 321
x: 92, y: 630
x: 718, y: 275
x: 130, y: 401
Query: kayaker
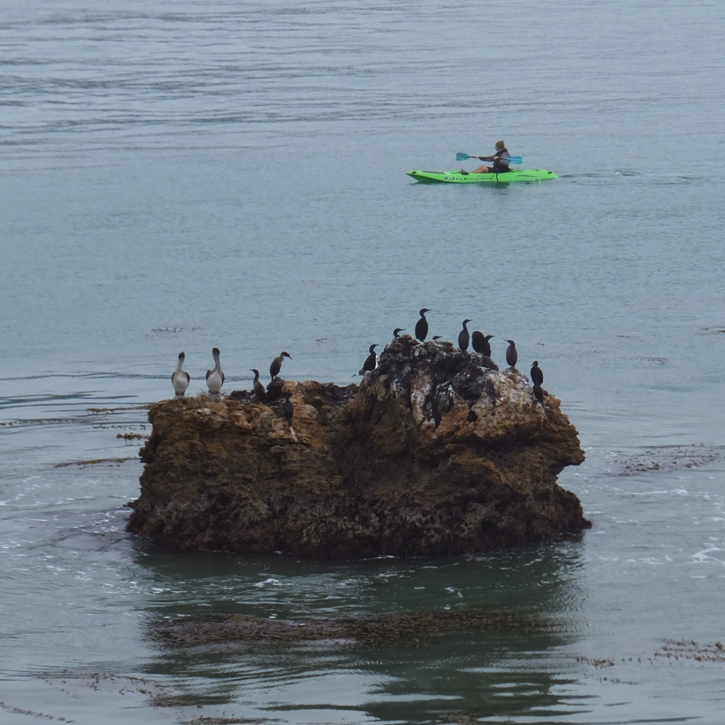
x: 499, y: 159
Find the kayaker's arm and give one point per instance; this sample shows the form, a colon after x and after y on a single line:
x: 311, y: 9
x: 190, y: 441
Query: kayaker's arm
x: 503, y: 157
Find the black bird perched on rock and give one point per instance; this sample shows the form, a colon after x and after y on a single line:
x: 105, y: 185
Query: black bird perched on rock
x: 538, y: 393
x: 537, y: 376
x: 463, y: 337
x: 477, y: 340
x: 397, y: 331
x: 511, y: 355
x: 421, y: 327
x: 257, y: 387
x: 276, y: 365
x: 288, y: 409
x: 180, y: 378
x: 215, y: 377
x: 370, y: 361
x: 480, y: 343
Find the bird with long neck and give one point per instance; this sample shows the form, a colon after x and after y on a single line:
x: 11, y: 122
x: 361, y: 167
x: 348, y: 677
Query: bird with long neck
x: 370, y: 363
x: 257, y: 387
x: 511, y: 355
x: 180, y: 378
x: 276, y: 365
x: 537, y: 375
x: 215, y: 376
x: 397, y: 331
x: 463, y: 336
x: 421, y: 327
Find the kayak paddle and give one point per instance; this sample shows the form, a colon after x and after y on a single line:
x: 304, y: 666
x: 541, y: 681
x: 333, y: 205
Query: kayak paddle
x: 460, y: 156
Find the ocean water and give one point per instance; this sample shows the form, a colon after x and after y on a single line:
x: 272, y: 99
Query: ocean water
x: 177, y: 176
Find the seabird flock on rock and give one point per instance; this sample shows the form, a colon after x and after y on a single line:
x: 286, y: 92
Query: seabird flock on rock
x: 479, y: 342
x: 215, y: 377
x: 215, y: 380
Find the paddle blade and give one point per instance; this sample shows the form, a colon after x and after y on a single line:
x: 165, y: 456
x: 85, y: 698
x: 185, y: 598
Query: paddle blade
x: 460, y: 156
x: 515, y: 160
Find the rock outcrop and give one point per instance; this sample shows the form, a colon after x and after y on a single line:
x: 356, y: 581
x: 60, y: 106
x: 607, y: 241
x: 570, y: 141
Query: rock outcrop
x: 436, y: 452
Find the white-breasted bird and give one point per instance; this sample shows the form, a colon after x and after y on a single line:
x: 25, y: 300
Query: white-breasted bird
x: 180, y: 378
x: 215, y: 377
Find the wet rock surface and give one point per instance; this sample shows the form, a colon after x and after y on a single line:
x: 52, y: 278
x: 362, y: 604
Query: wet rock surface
x: 378, y: 630
x: 666, y: 459
x: 436, y: 452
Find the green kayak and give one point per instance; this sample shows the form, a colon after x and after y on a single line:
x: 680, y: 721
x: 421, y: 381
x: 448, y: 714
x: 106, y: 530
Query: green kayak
x: 456, y: 177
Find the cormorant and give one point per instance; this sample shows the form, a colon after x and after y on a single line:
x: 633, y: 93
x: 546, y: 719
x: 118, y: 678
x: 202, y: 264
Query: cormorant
x: 288, y: 409
x: 397, y: 331
x: 371, y: 361
x: 257, y: 387
x: 421, y: 327
x: 538, y: 393
x: 276, y: 365
x: 215, y: 377
x: 487, y: 346
x: 511, y: 355
x: 537, y: 376
x: 180, y: 378
x: 480, y: 343
x: 463, y: 337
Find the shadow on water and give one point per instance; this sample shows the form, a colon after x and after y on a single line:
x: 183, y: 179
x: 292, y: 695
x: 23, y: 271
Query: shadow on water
x: 399, y: 640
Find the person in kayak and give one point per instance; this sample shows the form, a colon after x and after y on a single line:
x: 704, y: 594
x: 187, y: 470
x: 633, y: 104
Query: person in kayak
x: 499, y: 159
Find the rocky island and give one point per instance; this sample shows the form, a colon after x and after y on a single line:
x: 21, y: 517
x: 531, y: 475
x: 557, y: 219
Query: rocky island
x: 436, y: 452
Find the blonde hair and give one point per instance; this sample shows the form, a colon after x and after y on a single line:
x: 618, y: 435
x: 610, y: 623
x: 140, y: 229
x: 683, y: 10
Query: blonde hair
x: 500, y: 145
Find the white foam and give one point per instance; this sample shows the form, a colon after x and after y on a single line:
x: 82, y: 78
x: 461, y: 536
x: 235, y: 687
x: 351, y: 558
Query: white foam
x: 269, y: 582
x: 702, y: 557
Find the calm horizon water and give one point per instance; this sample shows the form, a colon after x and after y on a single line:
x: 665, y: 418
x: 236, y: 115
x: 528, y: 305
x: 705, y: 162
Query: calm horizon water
x: 178, y: 176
